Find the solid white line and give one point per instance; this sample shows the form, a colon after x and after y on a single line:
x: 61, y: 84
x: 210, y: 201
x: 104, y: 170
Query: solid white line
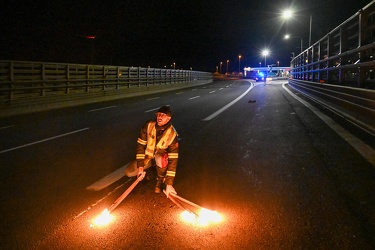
x: 44, y: 140
x: 194, y: 97
x: 98, y: 201
x: 365, y: 150
x: 108, y: 180
x: 93, y: 110
x: 212, y: 116
x: 10, y: 126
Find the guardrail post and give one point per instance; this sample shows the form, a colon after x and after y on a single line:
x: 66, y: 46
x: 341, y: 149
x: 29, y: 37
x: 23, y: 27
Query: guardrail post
x: 117, y: 77
x: 87, y: 77
x: 67, y: 78
x: 104, y: 78
x: 11, y: 77
x: 139, y: 76
x: 147, y: 77
x: 42, y: 92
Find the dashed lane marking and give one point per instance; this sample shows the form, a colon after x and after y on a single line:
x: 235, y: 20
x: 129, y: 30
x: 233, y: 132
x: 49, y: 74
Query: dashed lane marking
x: 44, y: 140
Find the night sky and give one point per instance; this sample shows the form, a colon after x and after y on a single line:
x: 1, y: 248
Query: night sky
x: 156, y: 33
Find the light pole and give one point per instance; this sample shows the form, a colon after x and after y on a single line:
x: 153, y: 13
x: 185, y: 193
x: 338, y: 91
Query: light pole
x: 310, y: 30
x: 227, y: 66
x: 239, y: 64
x: 265, y: 53
x: 92, y: 38
x: 221, y: 63
x: 288, y: 36
x: 289, y: 14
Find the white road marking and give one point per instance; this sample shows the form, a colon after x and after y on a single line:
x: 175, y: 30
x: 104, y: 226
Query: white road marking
x: 212, y: 92
x: 10, y: 126
x: 221, y: 88
x: 98, y: 201
x: 179, y: 93
x: 213, y: 115
x: 365, y: 150
x: 94, y: 110
x: 152, y: 110
x: 194, y: 97
x: 108, y: 180
x: 154, y: 98
x: 44, y: 140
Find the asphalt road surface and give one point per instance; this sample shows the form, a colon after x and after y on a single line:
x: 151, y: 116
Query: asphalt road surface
x: 280, y: 174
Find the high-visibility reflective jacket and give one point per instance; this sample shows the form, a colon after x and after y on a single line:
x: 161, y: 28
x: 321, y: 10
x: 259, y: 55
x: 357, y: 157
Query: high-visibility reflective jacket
x: 154, y: 139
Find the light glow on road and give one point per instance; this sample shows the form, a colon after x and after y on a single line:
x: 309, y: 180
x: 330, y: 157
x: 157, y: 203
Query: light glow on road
x: 204, y: 218
x: 103, y: 219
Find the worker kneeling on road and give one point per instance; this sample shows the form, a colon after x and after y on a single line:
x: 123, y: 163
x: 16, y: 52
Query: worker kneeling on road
x: 157, y: 144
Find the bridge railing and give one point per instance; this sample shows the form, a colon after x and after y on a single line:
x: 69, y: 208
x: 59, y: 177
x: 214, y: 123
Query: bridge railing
x: 21, y: 80
x: 345, y: 56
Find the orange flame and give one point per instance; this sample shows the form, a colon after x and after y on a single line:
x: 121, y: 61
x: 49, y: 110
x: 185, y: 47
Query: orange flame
x: 103, y: 219
x: 204, y: 218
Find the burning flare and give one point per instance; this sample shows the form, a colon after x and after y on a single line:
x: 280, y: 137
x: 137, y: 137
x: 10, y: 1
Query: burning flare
x: 103, y: 219
x: 204, y: 218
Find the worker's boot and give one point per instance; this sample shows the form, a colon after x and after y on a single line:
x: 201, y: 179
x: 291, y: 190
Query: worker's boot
x: 158, y: 186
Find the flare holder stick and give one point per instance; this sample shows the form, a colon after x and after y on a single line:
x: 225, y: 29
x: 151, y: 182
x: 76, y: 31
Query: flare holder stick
x: 127, y: 191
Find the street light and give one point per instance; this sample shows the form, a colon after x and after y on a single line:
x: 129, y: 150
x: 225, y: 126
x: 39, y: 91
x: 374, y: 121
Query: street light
x: 288, y: 36
x: 227, y: 65
x: 289, y: 14
x: 239, y: 64
x: 221, y: 63
x: 92, y: 38
x: 265, y: 53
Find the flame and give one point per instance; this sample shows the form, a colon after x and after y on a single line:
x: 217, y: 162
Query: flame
x: 188, y: 217
x: 103, y: 219
x: 204, y: 218
x: 211, y: 216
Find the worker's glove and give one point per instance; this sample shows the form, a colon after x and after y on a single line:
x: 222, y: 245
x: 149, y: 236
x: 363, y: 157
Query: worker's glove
x: 140, y: 174
x: 170, y: 189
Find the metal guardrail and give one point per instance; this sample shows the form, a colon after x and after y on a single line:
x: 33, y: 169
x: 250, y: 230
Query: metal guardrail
x: 339, y: 69
x: 20, y: 80
x: 355, y: 104
x: 345, y: 56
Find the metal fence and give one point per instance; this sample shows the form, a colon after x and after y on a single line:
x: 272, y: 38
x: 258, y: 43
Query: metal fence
x: 20, y: 80
x: 345, y: 56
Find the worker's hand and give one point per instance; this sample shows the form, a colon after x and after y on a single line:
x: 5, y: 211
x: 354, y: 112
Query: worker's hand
x: 140, y: 174
x: 170, y: 189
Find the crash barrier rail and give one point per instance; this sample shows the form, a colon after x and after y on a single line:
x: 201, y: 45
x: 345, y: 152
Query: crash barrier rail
x: 345, y: 56
x: 355, y: 104
x: 22, y: 81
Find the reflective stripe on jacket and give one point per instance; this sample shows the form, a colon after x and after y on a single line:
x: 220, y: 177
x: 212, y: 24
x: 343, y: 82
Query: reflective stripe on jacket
x: 152, y: 140
x: 168, y: 136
